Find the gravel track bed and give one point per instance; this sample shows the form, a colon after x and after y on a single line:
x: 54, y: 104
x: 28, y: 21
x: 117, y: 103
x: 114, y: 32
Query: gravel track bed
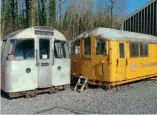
x: 139, y: 98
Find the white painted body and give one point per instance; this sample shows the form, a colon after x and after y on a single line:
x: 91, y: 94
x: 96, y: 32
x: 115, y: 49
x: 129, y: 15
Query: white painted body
x: 14, y: 76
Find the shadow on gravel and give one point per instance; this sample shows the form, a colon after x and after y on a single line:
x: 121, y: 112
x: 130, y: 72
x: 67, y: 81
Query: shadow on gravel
x: 69, y: 110
x: 153, y: 79
x: 89, y: 87
x: 4, y: 95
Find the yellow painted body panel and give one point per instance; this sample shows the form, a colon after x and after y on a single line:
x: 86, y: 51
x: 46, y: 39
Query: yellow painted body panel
x: 111, y: 68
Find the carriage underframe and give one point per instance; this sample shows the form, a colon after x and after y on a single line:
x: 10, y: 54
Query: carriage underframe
x: 34, y: 93
x: 108, y: 85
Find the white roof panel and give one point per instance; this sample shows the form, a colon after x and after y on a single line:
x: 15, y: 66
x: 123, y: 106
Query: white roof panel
x: 113, y: 34
x: 30, y: 33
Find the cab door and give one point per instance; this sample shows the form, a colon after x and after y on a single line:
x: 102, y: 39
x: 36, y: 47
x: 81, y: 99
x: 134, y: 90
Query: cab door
x: 44, y: 62
x: 76, y: 62
x: 61, y: 66
x: 121, y: 62
x: 101, y: 59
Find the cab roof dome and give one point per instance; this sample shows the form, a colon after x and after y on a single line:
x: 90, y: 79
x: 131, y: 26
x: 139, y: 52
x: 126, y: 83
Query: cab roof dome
x: 114, y: 34
x: 30, y: 32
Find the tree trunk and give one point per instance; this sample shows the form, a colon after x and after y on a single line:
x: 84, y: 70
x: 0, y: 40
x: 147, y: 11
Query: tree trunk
x: 112, y: 6
x: 30, y: 13
x: 43, y: 13
x: 60, y: 13
x: 3, y: 17
x: 12, y: 10
x: 52, y: 19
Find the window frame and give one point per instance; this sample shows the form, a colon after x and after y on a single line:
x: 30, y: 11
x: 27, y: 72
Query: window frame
x: 101, y: 41
x: 64, y: 50
x: 49, y: 56
x: 89, y: 47
x: 139, y: 50
x: 74, y: 46
x: 135, y: 50
x: 144, y: 49
x: 121, y: 56
x: 22, y: 49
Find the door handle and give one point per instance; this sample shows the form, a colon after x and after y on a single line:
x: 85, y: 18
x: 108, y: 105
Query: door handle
x: 44, y: 64
x: 126, y: 61
x: 37, y: 64
x: 52, y: 57
x: 117, y: 62
x: 103, y: 70
x: 74, y: 63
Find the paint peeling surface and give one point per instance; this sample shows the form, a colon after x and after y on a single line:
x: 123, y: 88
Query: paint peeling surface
x: 113, y: 34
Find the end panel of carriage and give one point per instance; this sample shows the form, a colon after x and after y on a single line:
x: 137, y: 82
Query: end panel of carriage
x: 17, y: 76
x: 38, y: 70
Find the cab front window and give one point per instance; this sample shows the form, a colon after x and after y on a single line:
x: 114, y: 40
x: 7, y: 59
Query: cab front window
x: 22, y: 48
x: 100, y: 47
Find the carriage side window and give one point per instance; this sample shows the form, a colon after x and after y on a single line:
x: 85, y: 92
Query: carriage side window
x: 87, y: 46
x: 121, y: 50
x: 22, y: 49
x: 61, y: 49
x: 143, y: 49
x: 134, y: 49
x: 76, y: 47
x: 100, y: 47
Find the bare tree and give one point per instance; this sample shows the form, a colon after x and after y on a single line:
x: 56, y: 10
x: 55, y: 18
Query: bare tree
x: 60, y: 4
x: 3, y: 19
x: 52, y: 18
x: 30, y: 11
x: 110, y: 4
x: 114, y: 7
x: 74, y: 16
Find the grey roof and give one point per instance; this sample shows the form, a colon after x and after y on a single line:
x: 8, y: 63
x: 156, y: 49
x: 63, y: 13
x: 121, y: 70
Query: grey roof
x: 30, y: 33
x: 10, y: 35
x: 113, y: 34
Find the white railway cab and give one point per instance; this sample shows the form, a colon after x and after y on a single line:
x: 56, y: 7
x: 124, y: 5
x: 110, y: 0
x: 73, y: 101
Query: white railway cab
x: 34, y: 58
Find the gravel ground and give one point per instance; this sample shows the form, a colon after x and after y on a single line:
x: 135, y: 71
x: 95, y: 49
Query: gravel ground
x: 139, y: 98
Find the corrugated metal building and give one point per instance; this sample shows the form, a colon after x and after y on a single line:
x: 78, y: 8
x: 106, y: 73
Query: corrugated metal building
x: 143, y: 20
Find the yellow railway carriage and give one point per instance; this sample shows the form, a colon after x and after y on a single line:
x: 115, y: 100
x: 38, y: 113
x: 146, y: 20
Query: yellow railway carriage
x: 112, y: 57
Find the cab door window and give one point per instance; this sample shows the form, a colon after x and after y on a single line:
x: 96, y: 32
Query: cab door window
x: 121, y: 50
x: 44, y: 48
x: 100, y: 47
x: 87, y: 46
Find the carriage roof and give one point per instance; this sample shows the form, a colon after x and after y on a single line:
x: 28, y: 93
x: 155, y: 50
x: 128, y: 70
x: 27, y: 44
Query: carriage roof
x: 113, y: 34
x: 30, y: 33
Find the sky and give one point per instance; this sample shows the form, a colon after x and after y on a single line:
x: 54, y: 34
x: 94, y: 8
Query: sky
x: 133, y: 5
